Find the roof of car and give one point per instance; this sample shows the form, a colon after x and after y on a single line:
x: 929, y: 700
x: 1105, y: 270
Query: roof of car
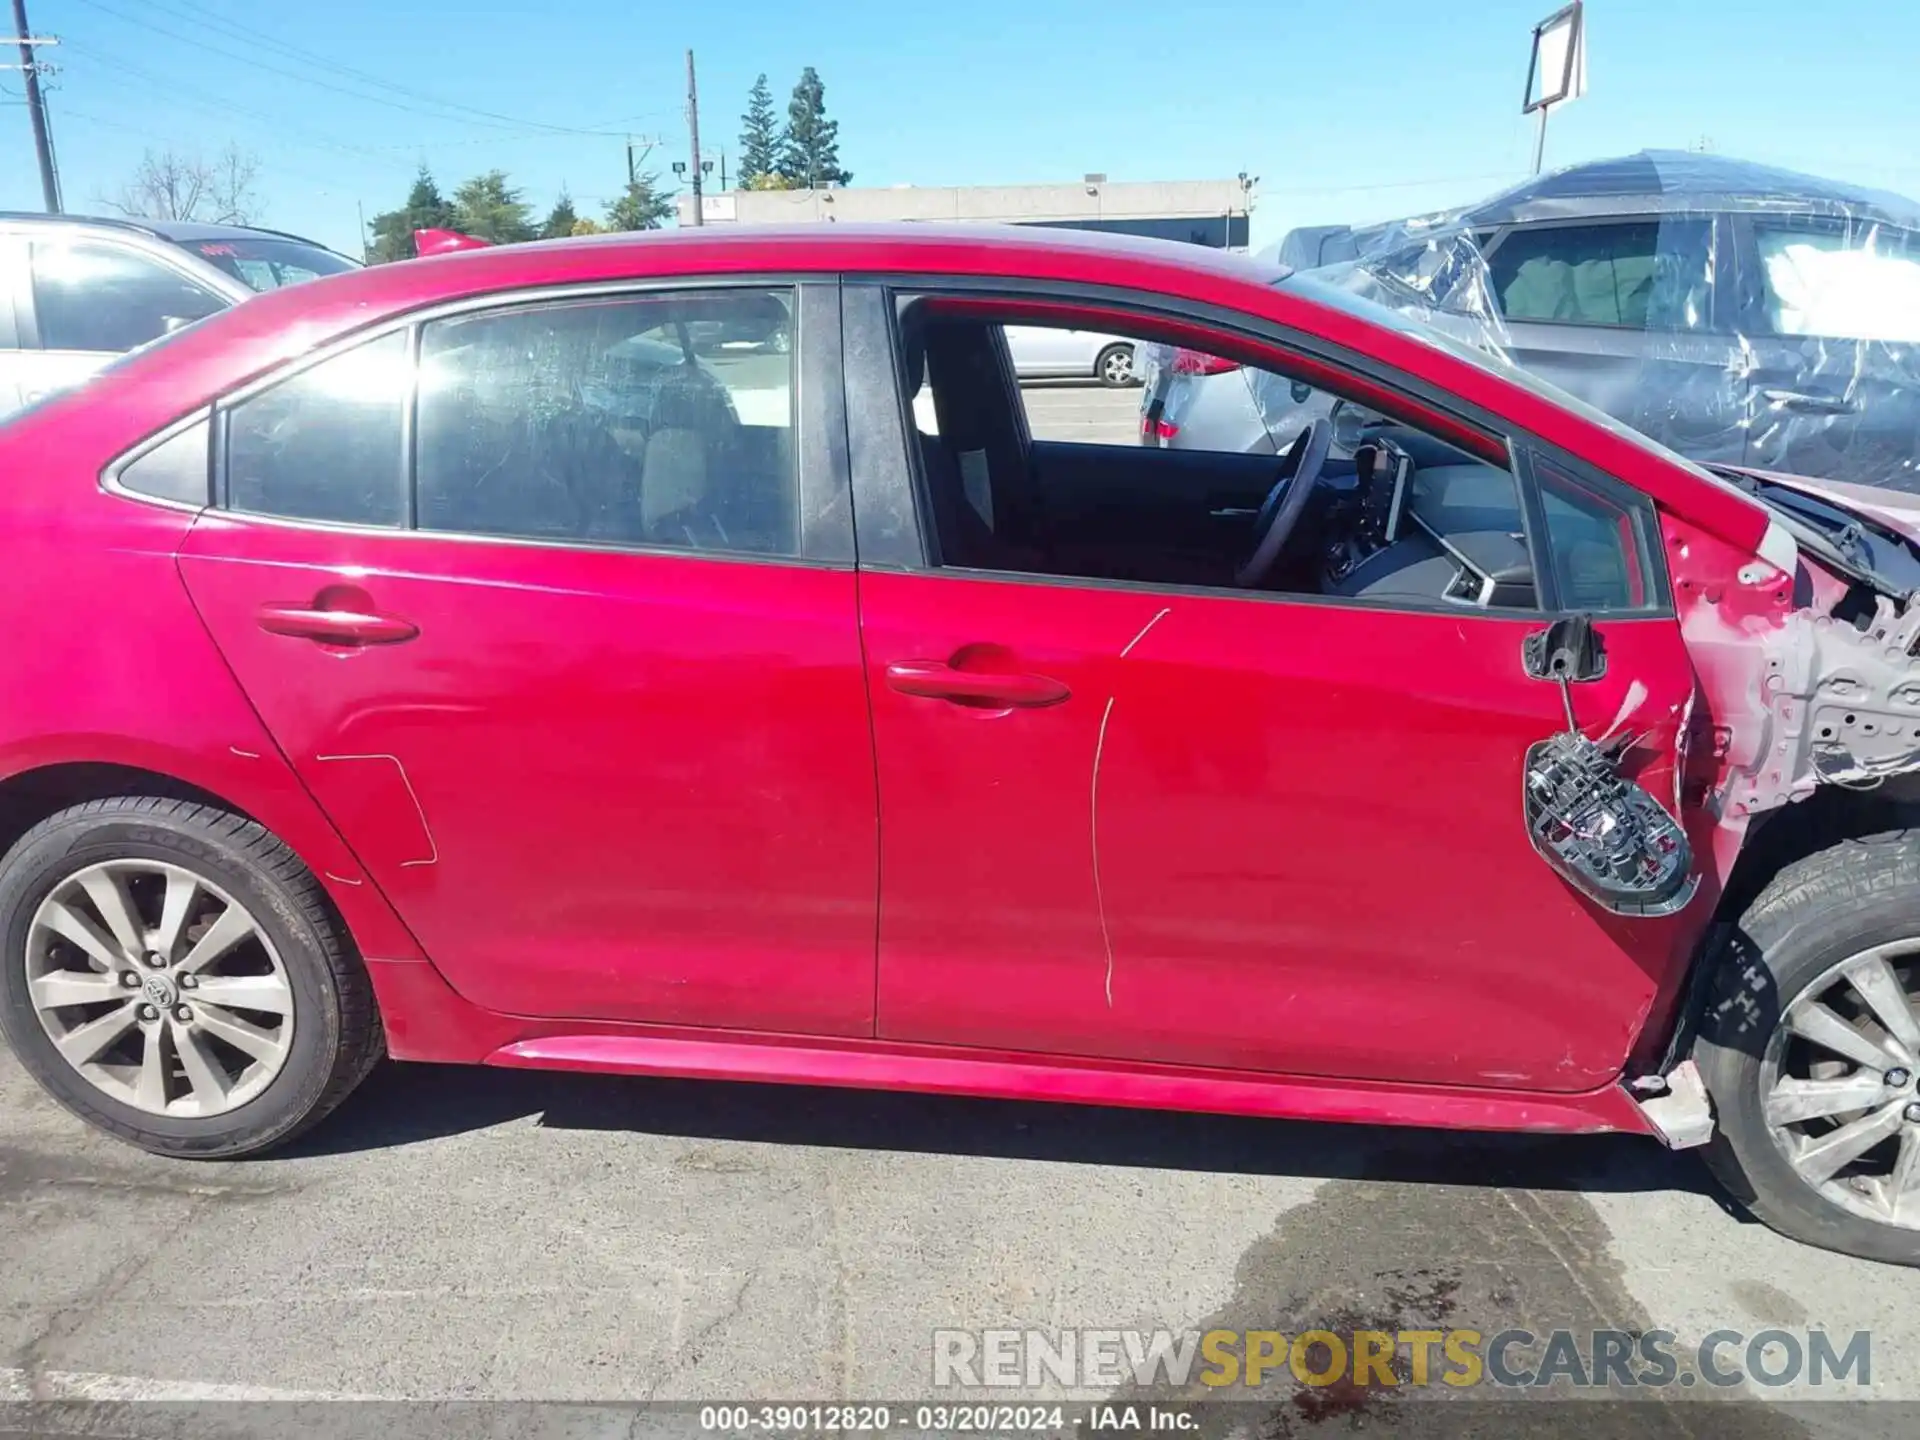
x: 898, y: 248
x: 175, y: 230
x: 1681, y: 180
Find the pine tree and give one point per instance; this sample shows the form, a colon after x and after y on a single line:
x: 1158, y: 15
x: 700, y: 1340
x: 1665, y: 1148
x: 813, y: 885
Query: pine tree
x: 489, y: 208
x: 426, y: 209
x: 640, y: 207
x: 759, y: 136
x: 561, y: 219
x: 810, y: 148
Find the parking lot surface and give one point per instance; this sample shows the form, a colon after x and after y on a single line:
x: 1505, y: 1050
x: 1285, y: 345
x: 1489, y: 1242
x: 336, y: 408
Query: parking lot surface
x: 455, y: 1233
x: 1068, y: 410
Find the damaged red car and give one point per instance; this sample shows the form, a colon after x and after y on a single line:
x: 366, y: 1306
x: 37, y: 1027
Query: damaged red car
x: 681, y: 655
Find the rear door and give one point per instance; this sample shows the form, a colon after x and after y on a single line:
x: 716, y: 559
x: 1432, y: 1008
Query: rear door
x: 567, y: 646
x: 1624, y: 313
x: 1831, y: 309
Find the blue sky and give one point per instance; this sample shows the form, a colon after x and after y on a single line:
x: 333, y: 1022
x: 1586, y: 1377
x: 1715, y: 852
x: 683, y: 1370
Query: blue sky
x: 1347, y: 110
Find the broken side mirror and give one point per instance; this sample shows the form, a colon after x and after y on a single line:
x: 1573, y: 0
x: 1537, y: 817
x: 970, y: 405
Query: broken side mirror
x: 1568, y: 650
x: 1602, y: 832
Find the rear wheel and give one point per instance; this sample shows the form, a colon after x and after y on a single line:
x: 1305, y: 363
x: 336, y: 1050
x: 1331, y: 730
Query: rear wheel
x: 1811, y: 1051
x: 1114, y: 366
x: 173, y: 974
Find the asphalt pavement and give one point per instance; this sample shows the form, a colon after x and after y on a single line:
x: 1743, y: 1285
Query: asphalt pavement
x: 1091, y: 414
x: 466, y: 1233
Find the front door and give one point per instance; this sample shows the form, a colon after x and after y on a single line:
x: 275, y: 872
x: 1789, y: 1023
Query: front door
x: 578, y: 696
x: 1246, y: 828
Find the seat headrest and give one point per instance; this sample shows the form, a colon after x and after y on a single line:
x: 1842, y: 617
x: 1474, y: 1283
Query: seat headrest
x: 913, y: 349
x: 673, y: 475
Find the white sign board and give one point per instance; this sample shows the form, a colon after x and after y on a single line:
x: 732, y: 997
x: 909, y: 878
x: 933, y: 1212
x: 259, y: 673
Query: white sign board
x: 718, y: 207
x: 1559, y: 69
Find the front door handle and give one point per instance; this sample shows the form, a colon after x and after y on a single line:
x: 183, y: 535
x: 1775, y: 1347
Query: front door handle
x: 337, y: 627
x: 937, y: 680
x: 1811, y: 402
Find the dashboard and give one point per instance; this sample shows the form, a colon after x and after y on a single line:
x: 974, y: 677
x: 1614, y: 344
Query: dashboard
x: 1424, y: 521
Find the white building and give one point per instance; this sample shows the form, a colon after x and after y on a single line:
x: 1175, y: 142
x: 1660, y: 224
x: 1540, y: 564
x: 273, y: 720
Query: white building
x: 1203, y: 212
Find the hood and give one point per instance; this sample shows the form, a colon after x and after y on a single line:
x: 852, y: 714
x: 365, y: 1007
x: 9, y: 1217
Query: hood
x: 1898, y: 510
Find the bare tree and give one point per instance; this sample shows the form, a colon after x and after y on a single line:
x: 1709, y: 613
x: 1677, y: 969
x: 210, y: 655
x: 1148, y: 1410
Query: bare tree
x: 170, y: 186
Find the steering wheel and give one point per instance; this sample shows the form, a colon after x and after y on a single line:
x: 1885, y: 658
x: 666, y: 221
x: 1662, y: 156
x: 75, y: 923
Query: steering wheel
x: 1286, y: 502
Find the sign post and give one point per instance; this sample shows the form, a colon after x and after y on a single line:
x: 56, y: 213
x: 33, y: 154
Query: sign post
x: 1557, y: 72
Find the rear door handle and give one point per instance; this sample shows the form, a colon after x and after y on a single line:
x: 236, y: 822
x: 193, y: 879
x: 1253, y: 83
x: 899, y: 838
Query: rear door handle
x: 1810, y: 402
x: 936, y: 680
x: 338, y: 627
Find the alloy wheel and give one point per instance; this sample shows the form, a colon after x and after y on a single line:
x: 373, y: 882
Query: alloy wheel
x: 1840, y: 1085
x: 160, y: 989
x: 1116, y: 368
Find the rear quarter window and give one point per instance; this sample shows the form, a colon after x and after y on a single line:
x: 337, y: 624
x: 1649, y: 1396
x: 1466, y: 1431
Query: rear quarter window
x: 177, y: 469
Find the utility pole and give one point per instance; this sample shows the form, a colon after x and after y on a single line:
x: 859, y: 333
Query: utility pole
x: 693, y: 136
x: 37, y: 108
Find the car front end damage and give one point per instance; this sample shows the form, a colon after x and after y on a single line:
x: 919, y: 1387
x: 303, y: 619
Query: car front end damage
x: 1807, y: 670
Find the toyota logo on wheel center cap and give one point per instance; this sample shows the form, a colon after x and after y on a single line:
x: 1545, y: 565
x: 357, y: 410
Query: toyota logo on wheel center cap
x: 159, y: 990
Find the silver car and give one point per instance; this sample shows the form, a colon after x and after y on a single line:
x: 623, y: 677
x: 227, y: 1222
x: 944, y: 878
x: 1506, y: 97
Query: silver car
x: 75, y: 292
x: 1044, y: 353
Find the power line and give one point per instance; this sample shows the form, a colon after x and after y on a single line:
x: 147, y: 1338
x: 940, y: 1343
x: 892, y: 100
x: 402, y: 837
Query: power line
x: 485, y: 116
x: 330, y: 185
x: 174, y: 91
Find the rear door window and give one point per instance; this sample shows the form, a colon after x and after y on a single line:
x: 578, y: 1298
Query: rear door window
x: 100, y: 297
x: 1839, y: 282
x: 662, y: 420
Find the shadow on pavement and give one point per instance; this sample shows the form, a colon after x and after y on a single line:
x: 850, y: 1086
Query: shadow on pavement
x: 405, y: 1104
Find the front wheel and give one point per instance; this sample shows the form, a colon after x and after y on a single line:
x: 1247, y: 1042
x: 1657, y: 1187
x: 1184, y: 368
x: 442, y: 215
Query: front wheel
x: 172, y: 974
x: 1810, y: 1049
x: 1114, y: 366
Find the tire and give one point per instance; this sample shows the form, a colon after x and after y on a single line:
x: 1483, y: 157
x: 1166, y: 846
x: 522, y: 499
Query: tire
x: 311, y: 1009
x: 1113, y: 367
x: 1800, y: 940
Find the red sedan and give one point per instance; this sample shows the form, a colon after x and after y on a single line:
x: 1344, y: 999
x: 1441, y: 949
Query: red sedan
x: 676, y: 655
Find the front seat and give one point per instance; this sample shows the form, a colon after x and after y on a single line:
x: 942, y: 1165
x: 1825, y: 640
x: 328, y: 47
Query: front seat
x: 961, y: 488
x: 673, y: 491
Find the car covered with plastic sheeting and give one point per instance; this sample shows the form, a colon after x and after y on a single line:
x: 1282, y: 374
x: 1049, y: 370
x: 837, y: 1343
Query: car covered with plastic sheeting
x: 1738, y: 313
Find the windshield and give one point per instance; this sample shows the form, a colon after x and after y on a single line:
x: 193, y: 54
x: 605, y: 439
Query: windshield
x: 265, y: 262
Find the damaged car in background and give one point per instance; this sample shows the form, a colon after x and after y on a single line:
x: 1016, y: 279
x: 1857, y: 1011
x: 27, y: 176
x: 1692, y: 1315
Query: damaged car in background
x: 1737, y: 313
x: 446, y: 662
